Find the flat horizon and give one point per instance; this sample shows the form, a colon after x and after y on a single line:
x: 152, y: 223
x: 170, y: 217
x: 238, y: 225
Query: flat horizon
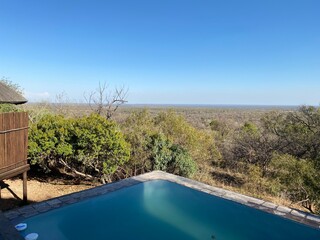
x: 159, y: 105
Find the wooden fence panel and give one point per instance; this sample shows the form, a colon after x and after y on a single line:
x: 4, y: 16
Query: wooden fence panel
x: 13, y: 141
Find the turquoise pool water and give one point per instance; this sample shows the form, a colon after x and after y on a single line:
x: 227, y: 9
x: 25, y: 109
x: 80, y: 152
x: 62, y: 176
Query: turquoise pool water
x: 163, y: 210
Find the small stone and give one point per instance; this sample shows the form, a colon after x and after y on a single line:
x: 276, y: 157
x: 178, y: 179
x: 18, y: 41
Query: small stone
x: 27, y: 210
x: 65, y: 198
x: 11, y: 214
x: 284, y: 209
x: 42, y: 207
x: 279, y: 213
x: 313, y: 218
x: 270, y: 205
x: 30, y: 214
x: 298, y: 213
x: 206, y: 191
x: 53, y: 202
x: 263, y: 208
x: 254, y: 200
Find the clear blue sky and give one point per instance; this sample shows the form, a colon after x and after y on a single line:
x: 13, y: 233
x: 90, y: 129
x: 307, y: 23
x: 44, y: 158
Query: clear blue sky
x: 165, y: 51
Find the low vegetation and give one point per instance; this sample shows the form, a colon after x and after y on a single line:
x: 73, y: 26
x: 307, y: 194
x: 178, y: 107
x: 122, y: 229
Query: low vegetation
x: 283, y: 151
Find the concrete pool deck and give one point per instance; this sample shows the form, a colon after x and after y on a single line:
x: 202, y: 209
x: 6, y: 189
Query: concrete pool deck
x: 9, y: 218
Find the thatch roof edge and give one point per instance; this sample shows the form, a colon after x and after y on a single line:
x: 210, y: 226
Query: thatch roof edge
x: 9, y: 95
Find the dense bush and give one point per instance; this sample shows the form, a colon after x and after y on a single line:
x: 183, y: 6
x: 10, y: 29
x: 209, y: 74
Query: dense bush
x: 221, y: 129
x: 286, y: 148
x: 151, y: 149
x: 99, y: 145
x: 89, y: 146
x: 170, y: 157
x: 297, y: 132
x: 200, y: 144
x: 5, y: 107
x: 299, y: 180
x: 138, y: 129
x: 50, y: 140
x: 253, y: 145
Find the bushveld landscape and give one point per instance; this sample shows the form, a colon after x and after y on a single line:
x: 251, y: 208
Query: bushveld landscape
x: 160, y: 120
x: 267, y: 152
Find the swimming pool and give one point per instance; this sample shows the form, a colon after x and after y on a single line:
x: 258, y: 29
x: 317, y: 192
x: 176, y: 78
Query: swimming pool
x: 161, y: 209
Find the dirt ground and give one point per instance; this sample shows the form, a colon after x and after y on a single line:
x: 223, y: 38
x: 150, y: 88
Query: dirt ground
x: 11, y: 191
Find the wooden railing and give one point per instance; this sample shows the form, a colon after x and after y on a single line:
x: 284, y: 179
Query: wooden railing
x: 14, y: 146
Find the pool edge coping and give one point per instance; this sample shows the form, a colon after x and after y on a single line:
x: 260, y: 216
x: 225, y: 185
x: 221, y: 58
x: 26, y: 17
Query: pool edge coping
x: 19, y: 214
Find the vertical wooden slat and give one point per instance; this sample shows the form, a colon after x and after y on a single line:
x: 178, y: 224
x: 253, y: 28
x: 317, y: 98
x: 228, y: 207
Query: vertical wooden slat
x: 26, y: 124
x: 16, y: 145
x: 6, y: 124
x: 2, y: 143
x: 9, y: 151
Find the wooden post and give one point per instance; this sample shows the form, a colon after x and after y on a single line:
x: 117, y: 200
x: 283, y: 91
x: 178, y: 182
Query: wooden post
x: 25, y: 198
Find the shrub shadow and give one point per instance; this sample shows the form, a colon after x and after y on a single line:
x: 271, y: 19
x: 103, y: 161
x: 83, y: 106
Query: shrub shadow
x: 227, y: 179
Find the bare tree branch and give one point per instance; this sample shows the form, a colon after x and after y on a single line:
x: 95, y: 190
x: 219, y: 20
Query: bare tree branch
x: 106, y: 103
x: 74, y: 170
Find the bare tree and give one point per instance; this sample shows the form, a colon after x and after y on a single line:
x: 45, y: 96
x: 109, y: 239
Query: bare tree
x: 61, y: 104
x: 105, y: 102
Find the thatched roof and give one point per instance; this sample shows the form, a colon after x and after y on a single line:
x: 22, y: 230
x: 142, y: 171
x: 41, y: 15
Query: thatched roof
x: 8, y: 95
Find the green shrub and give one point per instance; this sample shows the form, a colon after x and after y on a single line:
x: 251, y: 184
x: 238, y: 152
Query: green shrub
x: 152, y: 149
x: 297, y: 132
x: 199, y: 144
x: 138, y: 129
x: 6, y: 107
x: 299, y: 179
x: 252, y: 145
x: 99, y: 145
x: 182, y: 163
x: 170, y: 157
x: 258, y: 184
x: 50, y: 139
x: 89, y: 146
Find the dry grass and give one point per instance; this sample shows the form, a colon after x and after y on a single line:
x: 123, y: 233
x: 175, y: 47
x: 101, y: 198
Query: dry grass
x: 248, y: 187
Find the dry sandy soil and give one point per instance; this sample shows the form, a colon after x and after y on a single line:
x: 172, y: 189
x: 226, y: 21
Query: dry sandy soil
x: 11, y: 193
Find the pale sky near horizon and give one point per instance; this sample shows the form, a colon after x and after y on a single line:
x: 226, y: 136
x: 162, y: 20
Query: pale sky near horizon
x: 263, y: 52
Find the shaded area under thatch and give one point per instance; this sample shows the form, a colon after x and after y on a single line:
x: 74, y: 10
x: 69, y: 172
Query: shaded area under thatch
x: 8, y: 95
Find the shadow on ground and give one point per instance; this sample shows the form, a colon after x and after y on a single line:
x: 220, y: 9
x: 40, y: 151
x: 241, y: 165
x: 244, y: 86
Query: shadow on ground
x: 12, y: 202
x: 58, y: 178
x: 228, y: 179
